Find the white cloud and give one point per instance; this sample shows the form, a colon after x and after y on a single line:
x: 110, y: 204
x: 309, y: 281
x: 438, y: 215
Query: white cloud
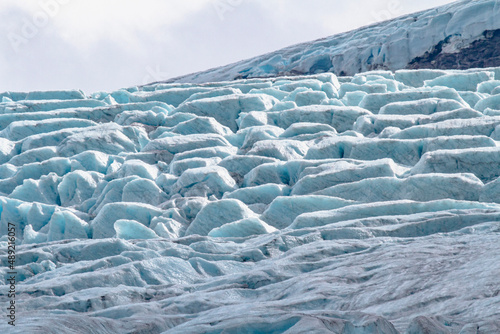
x: 89, y: 21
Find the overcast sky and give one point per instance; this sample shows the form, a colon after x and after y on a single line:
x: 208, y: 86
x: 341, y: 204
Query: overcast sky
x: 109, y: 44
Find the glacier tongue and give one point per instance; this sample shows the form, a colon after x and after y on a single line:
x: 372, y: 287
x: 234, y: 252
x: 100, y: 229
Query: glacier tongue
x: 369, y: 204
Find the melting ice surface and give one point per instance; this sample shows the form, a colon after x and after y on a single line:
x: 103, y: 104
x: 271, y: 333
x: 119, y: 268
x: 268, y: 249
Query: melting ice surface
x: 314, y: 204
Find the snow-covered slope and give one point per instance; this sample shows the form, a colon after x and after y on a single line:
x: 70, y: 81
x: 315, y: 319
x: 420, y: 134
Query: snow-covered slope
x: 460, y: 35
x: 283, y: 205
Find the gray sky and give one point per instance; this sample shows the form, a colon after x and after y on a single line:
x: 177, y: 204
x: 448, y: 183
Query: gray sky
x: 109, y: 44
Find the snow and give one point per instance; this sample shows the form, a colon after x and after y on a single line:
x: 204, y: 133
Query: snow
x: 368, y: 204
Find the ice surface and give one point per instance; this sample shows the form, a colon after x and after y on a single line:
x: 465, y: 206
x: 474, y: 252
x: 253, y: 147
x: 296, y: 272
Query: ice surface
x: 402, y: 151
x: 213, y: 93
x: 22, y: 129
x: 375, y: 102
x: 263, y: 194
x: 330, y: 174
x: 65, y: 225
x: 178, y: 167
x: 142, y: 191
x: 305, y: 204
x: 241, y: 165
x: 102, y: 224
x: 178, y: 144
x: 43, y: 190
x: 422, y: 188
x: 45, y: 95
x: 216, y: 214
x: 308, y: 98
x: 78, y: 186
x: 204, y: 181
x: 106, y: 139
x: 417, y: 78
x: 130, y: 229
x: 304, y: 128
x: 201, y: 125
x: 381, y: 209
x: 34, y: 155
x: 482, y: 162
x: 492, y: 102
x: 375, y: 124
x: 461, y: 81
x: 283, y: 210
x: 225, y: 109
x: 285, y: 149
x: 254, y: 134
x: 341, y: 118
x: 424, y: 106
x: 481, y: 126
x: 242, y: 228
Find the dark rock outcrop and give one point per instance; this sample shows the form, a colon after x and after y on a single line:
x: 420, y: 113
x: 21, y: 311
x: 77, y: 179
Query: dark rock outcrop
x: 484, y: 52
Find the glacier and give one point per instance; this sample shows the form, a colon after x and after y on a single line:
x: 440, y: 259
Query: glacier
x: 461, y: 35
x: 306, y: 204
